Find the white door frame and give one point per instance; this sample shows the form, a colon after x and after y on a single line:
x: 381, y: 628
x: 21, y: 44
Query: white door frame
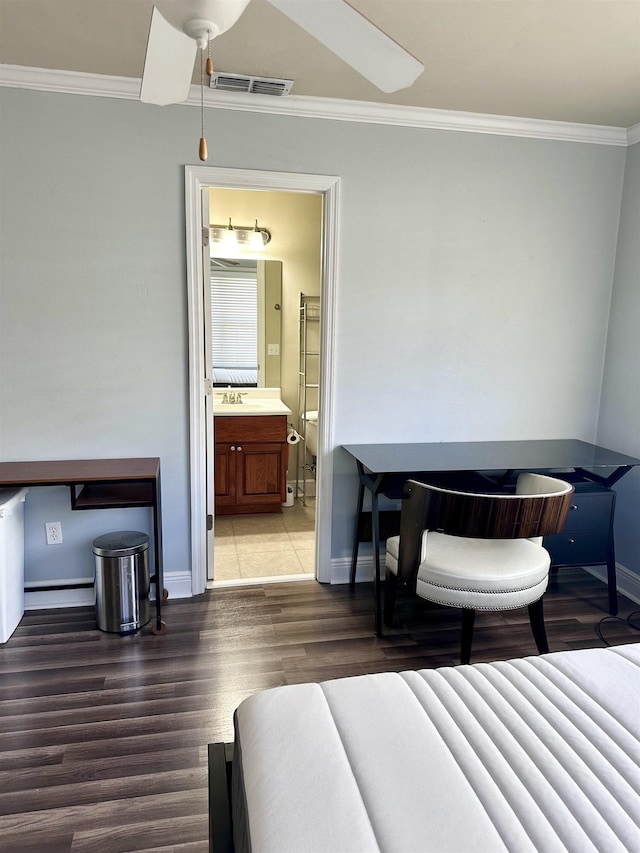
x: 198, y: 178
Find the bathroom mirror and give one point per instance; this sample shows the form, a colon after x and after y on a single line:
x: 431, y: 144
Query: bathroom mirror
x: 246, y: 310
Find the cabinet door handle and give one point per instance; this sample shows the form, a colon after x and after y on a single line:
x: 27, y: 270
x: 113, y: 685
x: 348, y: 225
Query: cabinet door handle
x: 233, y: 448
x: 572, y: 541
x: 574, y: 506
x: 239, y: 449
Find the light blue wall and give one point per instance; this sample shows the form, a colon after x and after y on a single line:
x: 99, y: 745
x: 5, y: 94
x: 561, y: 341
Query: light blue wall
x: 619, y: 422
x: 475, y: 276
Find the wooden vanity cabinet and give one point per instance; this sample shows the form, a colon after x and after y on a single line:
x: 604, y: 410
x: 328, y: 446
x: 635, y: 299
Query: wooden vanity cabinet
x: 250, y: 463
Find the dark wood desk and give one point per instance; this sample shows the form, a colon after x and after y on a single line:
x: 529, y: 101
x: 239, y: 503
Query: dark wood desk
x: 102, y: 484
x: 383, y: 469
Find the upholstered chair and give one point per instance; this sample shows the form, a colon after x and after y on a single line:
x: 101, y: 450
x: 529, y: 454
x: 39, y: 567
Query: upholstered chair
x: 477, y: 551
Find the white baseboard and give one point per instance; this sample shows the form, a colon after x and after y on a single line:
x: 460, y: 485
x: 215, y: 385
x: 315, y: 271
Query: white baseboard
x: 628, y: 581
x: 341, y: 569
x: 178, y: 584
x: 49, y: 599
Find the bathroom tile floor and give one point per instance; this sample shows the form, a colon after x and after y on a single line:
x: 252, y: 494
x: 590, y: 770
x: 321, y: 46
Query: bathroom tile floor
x: 265, y: 545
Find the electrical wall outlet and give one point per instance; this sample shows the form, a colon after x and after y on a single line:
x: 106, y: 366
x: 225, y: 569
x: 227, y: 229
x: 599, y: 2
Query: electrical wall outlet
x: 54, y: 532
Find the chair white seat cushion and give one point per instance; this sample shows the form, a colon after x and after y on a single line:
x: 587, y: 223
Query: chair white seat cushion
x: 482, y: 574
x: 391, y: 557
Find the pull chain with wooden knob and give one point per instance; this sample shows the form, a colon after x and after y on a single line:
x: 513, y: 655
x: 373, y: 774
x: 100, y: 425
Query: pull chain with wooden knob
x: 209, y: 68
x: 202, y: 150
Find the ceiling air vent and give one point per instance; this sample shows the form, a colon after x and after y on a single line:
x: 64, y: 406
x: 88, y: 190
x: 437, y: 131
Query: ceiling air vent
x: 253, y: 85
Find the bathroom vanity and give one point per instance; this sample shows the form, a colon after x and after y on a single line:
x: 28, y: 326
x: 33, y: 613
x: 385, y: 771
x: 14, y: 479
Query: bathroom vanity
x: 251, y: 455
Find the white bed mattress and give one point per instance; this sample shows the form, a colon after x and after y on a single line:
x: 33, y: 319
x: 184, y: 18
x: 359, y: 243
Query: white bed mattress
x: 541, y: 753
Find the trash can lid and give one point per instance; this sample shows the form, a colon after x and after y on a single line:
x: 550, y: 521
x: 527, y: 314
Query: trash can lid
x: 122, y: 543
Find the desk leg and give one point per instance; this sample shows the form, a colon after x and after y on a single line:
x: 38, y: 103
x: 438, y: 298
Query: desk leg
x: 613, y: 588
x: 375, y: 530
x: 358, y: 533
x: 159, y: 627
x: 612, y: 583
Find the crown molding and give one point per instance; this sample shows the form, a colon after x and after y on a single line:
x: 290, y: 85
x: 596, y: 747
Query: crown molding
x: 128, y: 88
x: 633, y: 134
x: 69, y: 82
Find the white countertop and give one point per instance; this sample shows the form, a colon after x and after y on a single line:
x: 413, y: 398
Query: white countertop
x: 251, y: 406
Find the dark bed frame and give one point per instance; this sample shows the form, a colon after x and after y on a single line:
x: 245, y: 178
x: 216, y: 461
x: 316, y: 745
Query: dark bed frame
x: 220, y: 761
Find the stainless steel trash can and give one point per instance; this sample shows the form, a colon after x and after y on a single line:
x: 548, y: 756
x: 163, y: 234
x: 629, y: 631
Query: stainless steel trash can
x: 122, y: 581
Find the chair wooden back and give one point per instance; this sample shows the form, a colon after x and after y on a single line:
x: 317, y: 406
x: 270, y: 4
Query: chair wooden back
x: 477, y: 516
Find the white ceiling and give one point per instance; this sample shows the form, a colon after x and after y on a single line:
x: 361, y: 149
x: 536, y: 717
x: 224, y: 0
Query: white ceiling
x: 566, y: 60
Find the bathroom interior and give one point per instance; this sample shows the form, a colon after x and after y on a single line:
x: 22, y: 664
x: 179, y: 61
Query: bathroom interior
x: 265, y: 293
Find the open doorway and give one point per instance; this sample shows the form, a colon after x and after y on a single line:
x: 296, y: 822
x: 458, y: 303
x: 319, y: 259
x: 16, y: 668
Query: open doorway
x: 199, y: 180
x: 262, y: 343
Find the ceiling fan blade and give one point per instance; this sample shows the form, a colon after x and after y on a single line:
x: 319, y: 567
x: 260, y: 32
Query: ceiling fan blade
x: 168, y: 64
x: 355, y: 40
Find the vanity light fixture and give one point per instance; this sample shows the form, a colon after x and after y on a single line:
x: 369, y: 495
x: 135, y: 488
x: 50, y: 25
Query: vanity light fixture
x: 240, y: 236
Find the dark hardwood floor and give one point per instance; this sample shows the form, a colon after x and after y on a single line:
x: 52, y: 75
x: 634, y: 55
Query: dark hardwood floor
x: 103, y: 739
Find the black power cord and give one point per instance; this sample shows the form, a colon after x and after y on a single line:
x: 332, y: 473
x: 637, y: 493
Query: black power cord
x: 628, y: 622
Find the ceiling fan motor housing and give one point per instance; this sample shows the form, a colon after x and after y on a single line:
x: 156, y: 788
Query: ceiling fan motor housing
x: 198, y: 17
x: 201, y: 31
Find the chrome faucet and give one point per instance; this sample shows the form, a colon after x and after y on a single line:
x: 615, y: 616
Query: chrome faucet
x: 232, y: 397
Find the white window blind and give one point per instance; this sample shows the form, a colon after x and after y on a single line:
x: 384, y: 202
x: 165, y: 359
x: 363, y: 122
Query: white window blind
x: 234, y: 321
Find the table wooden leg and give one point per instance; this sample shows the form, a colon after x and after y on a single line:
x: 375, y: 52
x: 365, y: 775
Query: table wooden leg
x: 159, y: 627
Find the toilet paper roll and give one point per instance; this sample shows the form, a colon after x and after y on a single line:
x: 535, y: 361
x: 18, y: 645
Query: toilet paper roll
x: 293, y: 437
